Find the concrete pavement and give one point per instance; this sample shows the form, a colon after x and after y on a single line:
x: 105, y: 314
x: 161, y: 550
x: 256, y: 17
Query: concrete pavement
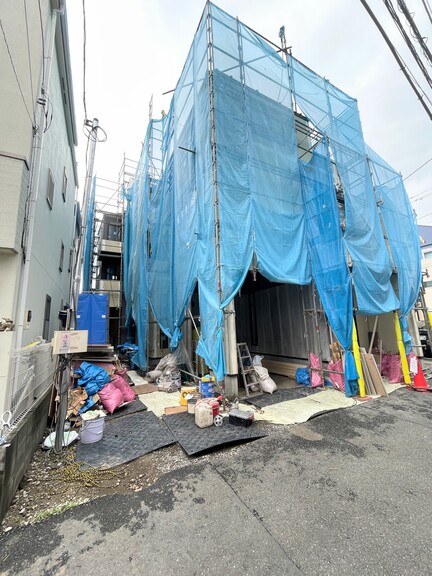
x: 347, y: 493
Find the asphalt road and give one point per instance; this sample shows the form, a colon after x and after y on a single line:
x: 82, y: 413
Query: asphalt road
x: 347, y: 493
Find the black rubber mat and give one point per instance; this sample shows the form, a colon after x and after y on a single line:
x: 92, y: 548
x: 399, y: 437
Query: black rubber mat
x: 195, y: 440
x: 281, y: 395
x: 134, y: 406
x: 125, y: 439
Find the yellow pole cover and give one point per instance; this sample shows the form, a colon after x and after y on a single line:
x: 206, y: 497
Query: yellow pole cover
x: 357, y: 359
x: 401, y: 348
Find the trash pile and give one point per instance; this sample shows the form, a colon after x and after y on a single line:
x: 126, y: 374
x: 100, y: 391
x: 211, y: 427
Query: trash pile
x: 167, y: 373
x: 96, y: 386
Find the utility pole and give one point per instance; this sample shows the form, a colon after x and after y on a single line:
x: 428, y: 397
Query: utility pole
x: 78, y: 268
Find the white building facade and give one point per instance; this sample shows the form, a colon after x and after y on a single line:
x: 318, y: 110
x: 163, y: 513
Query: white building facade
x: 38, y: 177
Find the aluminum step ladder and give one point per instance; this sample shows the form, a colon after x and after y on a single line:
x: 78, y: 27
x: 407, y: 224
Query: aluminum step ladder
x: 247, y: 369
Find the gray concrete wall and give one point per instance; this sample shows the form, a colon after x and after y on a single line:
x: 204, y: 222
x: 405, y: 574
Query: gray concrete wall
x: 15, y: 456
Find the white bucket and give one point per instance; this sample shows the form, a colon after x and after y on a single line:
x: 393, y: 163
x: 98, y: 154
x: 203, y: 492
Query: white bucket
x: 92, y: 430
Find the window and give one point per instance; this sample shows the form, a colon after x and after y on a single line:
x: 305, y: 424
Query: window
x: 428, y: 255
x: 50, y: 190
x: 112, y: 232
x: 428, y: 284
x: 47, y: 314
x: 71, y: 253
x: 61, y: 257
x: 64, y: 189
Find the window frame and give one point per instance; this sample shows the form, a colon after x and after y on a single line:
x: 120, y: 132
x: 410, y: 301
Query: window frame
x: 50, y: 189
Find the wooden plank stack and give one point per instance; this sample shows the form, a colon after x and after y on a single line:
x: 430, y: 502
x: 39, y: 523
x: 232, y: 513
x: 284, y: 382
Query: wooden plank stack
x: 372, y: 377
x: 282, y: 368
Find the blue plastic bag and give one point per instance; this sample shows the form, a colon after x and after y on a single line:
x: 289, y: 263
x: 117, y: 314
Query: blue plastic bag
x: 302, y: 376
x: 93, y: 378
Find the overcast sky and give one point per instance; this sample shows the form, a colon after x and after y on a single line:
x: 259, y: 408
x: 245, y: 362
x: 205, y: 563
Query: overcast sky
x: 136, y: 48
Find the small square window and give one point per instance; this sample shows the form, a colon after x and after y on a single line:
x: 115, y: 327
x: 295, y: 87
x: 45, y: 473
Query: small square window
x: 61, y: 257
x: 71, y: 252
x: 50, y: 190
x: 64, y: 189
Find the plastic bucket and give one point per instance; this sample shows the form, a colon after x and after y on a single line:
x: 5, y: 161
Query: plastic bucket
x: 206, y: 388
x: 191, y: 403
x: 92, y: 430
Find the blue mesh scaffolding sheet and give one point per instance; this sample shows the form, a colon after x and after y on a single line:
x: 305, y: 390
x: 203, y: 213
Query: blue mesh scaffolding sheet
x: 228, y: 194
x: 329, y: 267
x: 137, y: 256
x: 257, y: 188
x: 402, y: 234
x: 401, y: 229
x: 173, y: 205
x: 336, y: 115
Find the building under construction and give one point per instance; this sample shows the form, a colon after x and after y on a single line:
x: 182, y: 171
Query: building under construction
x: 258, y: 214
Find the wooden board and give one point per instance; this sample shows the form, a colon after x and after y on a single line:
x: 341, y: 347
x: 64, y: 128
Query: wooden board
x: 175, y: 410
x: 283, y: 368
x: 375, y: 375
x: 369, y: 386
x: 144, y: 388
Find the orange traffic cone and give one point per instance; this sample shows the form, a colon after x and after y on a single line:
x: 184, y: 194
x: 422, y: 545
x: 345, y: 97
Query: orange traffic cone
x: 420, y: 382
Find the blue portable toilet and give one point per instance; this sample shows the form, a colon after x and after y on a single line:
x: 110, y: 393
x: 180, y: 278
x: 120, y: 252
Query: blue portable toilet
x: 92, y: 315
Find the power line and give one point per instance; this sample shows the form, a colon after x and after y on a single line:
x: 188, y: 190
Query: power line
x: 417, y: 169
x: 407, y: 40
x: 15, y: 72
x: 84, y: 60
x: 425, y: 216
x: 29, y: 57
x: 415, y: 31
x: 428, y: 9
x: 420, y: 198
x: 399, y: 60
x: 43, y: 44
x: 420, y: 193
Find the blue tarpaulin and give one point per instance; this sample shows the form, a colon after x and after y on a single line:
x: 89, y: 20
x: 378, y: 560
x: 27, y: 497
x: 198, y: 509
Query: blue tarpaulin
x: 228, y: 179
x: 92, y: 315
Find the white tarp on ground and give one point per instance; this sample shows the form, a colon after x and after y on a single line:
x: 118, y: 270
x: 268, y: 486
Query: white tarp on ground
x: 158, y: 401
x: 302, y: 409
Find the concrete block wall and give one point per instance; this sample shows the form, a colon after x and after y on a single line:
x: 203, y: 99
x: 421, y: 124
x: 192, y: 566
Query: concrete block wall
x: 15, y: 456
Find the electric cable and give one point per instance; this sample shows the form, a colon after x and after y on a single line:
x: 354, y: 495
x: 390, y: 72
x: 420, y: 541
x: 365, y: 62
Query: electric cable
x: 29, y: 58
x: 15, y: 73
x: 404, y: 69
x: 428, y: 9
x: 84, y: 60
x: 420, y: 198
x: 425, y: 216
x: 417, y: 169
x: 43, y: 45
x: 419, y: 193
x: 407, y: 40
x: 47, y: 113
x: 91, y: 132
x: 415, y: 32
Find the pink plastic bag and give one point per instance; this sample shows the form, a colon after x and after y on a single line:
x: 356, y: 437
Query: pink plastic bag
x: 120, y: 383
x: 337, y: 380
x: 316, y: 378
x: 111, y: 397
x: 394, y: 369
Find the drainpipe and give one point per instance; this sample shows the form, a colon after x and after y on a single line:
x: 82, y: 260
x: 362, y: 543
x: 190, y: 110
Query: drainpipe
x: 35, y: 178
